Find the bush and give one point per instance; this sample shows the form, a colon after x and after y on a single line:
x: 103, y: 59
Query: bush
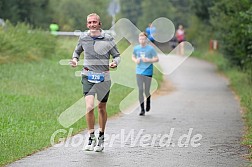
x: 234, y: 30
x: 22, y: 43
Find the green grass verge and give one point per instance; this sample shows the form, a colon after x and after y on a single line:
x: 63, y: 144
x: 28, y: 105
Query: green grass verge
x: 240, y: 82
x: 21, y: 43
x: 34, y: 94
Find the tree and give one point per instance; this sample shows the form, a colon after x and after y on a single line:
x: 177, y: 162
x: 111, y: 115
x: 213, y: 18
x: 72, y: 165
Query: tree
x: 72, y: 15
x: 131, y: 9
x: 182, y: 12
x: 201, y: 9
x: 33, y: 12
x: 152, y: 10
x: 232, y: 22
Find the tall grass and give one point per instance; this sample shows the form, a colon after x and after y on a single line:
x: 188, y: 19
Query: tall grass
x: 21, y: 43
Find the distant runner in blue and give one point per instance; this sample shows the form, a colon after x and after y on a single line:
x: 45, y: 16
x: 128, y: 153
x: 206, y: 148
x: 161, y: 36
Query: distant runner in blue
x: 144, y: 55
x: 150, y: 31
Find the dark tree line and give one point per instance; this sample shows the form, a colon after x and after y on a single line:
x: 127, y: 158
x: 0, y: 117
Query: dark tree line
x: 231, y: 23
x: 34, y: 12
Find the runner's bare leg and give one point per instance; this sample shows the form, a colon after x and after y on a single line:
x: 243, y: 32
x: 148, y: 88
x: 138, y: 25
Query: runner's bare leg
x: 90, y: 118
x: 102, y: 115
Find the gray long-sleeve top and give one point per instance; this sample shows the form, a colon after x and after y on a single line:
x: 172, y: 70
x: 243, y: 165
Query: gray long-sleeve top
x: 97, y: 51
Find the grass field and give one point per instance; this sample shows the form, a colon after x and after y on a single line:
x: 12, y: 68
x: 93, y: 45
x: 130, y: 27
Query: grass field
x: 34, y: 94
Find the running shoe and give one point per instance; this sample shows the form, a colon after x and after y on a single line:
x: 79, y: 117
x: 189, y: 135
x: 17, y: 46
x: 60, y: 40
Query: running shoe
x: 100, y: 146
x: 91, y: 144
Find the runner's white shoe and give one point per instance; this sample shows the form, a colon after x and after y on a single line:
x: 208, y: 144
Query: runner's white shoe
x: 100, y: 146
x: 91, y: 144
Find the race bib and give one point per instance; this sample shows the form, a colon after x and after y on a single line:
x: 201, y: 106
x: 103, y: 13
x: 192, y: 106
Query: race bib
x: 95, y: 77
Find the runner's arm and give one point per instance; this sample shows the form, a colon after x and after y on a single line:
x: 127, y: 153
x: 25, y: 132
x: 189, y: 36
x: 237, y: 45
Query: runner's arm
x: 76, y: 55
x: 135, y: 59
x: 116, y: 55
x: 77, y: 51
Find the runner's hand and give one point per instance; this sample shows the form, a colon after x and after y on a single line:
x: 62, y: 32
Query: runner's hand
x: 73, y: 62
x: 138, y: 61
x: 112, y: 65
x: 144, y: 59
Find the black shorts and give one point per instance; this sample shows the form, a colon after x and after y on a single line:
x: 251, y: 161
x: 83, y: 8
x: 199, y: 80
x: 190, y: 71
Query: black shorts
x: 102, y: 89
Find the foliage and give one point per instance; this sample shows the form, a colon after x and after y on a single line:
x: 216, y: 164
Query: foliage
x: 71, y: 16
x: 198, y: 33
x: 233, y: 31
x: 152, y: 10
x: 230, y: 22
x: 34, y: 12
x: 246, y: 31
x: 181, y: 12
x: 22, y: 43
x: 201, y: 9
x: 131, y: 9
